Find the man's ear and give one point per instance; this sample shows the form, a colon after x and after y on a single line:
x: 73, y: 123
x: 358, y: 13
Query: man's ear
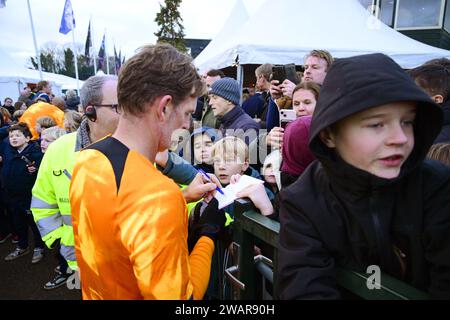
x: 328, y: 138
x: 162, y: 106
x: 438, y: 98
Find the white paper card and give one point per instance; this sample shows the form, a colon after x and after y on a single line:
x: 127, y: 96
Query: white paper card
x: 232, y: 189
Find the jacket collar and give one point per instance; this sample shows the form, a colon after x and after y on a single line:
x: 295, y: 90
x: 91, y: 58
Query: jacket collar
x: 231, y: 116
x: 83, y: 139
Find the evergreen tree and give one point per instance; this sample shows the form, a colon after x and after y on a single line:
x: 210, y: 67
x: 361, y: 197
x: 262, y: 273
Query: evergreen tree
x: 69, y: 68
x: 61, y: 61
x: 169, y: 21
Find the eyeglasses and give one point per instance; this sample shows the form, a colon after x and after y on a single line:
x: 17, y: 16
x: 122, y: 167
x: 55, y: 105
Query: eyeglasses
x: 114, y: 106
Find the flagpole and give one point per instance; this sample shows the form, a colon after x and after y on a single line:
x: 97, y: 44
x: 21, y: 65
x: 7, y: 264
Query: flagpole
x: 107, y: 58
x: 75, y: 60
x: 115, y: 54
x: 38, y: 56
x: 93, y: 48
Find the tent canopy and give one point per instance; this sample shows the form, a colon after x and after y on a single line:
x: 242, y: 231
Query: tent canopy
x: 282, y: 32
x: 14, y: 77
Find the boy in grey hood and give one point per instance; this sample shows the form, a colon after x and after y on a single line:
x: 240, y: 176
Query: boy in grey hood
x: 371, y: 198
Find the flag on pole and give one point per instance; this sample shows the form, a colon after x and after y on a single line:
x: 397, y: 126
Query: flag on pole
x: 2, y: 3
x: 87, y: 48
x: 117, y: 60
x: 101, y: 54
x: 67, y: 20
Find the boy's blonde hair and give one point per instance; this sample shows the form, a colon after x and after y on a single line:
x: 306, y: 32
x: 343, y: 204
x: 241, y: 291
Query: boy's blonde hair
x: 230, y: 147
x: 54, y: 132
x: 440, y: 152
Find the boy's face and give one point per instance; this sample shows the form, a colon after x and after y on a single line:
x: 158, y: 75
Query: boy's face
x: 269, y: 174
x: 378, y: 140
x: 202, y: 148
x: 228, y: 165
x: 46, y: 140
x: 17, y: 139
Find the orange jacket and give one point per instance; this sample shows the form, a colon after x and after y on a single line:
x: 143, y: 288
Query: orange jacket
x: 41, y: 109
x: 130, y: 226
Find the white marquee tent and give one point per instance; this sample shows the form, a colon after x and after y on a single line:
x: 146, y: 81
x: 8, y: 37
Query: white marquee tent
x: 14, y: 77
x: 282, y: 32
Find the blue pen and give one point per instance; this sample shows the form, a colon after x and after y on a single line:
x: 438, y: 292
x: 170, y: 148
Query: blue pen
x: 207, y: 176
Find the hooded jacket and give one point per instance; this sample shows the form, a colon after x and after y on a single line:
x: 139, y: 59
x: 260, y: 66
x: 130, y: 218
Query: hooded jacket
x: 338, y: 215
x: 236, y: 119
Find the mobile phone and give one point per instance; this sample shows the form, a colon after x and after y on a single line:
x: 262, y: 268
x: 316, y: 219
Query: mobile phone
x: 278, y: 73
x: 286, y: 116
x: 284, y: 72
x: 27, y: 161
x: 291, y: 73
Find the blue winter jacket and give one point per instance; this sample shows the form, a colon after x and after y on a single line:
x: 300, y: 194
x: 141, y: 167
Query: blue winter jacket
x: 17, y: 181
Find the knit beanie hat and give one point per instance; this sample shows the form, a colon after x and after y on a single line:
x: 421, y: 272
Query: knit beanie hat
x: 227, y: 88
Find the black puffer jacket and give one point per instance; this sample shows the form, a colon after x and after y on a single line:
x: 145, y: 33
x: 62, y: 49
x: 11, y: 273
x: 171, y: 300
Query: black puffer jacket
x: 338, y: 215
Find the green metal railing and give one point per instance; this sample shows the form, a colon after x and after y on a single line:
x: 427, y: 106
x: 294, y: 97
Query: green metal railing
x: 251, y: 227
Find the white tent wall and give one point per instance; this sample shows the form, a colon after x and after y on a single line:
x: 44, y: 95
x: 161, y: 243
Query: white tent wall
x: 238, y: 16
x: 14, y: 77
x: 282, y: 32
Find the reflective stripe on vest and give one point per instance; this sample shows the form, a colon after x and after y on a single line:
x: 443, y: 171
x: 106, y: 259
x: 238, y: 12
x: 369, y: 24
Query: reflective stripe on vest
x: 68, y: 252
x: 37, y: 203
x: 48, y: 224
x: 67, y: 219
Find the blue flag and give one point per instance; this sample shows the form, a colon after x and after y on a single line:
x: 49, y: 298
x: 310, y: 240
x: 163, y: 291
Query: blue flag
x: 67, y: 20
x: 101, y: 55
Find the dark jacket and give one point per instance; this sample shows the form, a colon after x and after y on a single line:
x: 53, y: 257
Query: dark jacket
x: 237, y: 119
x: 256, y: 107
x: 17, y: 181
x: 444, y: 135
x: 253, y: 106
x: 338, y: 215
x: 72, y: 103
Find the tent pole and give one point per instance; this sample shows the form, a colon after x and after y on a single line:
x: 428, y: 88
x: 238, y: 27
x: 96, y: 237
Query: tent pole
x: 240, y: 80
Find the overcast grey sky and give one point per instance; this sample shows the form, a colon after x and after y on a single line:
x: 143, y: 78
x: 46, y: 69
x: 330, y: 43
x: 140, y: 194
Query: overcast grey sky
x: 128, y: 23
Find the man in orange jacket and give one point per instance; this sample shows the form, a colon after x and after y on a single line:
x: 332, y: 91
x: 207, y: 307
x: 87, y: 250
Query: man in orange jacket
x: 130, y: 221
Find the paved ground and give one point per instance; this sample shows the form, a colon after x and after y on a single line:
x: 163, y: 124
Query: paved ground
x: 21, y: 280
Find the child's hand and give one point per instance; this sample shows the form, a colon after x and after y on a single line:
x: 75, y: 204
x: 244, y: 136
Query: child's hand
x: 235, y: 178
x: 31, y: 168
x: 257, y: 194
